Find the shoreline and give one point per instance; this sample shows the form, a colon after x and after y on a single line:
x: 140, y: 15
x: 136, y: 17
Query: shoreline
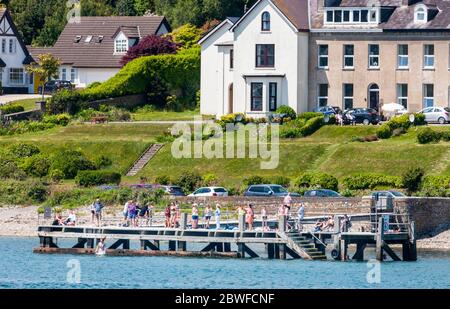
x: 23, y: 222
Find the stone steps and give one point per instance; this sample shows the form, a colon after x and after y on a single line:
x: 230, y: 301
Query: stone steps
x: 144, y: 159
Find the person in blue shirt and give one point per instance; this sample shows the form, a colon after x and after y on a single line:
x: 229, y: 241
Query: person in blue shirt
x: 98, y: 206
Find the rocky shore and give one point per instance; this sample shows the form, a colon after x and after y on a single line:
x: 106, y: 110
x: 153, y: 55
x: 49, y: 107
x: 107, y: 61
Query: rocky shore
x: 23, y: 222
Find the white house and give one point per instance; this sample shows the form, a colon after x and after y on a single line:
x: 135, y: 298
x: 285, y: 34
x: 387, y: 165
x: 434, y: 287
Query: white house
x: 13, y: 57
x: 258, y: 62
x: 91, y: 50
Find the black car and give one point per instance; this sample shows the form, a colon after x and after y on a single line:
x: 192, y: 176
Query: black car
x: 321, y: 193
x: 328, y: 110
x: 56, y: 85
x: 365, y: 116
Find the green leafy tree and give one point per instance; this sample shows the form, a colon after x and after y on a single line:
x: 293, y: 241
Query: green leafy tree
x: 187, y: 35
x: 125, y: 8
x: 46, y: 68
x: 142, y: 6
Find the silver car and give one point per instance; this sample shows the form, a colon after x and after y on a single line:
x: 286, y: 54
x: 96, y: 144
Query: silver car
x: 437, y: 114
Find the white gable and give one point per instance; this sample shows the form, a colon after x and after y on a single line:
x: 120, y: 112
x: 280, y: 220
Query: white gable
x: 5, y: 27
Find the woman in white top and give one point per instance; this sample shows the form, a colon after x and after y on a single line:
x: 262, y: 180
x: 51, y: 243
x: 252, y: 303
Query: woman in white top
x: 218, y: 214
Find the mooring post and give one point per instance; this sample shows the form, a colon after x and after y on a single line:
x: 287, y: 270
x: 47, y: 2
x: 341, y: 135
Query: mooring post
x: 282, y: 224
x: 344, y: 249
x: 379, y: 239
x: 409, y: 246
x: 241, y: 223
x: 183, y: 221
x: 337, y: 224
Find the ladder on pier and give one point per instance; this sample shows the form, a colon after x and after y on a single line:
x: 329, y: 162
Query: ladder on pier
x: 305, y: 247
x: 144, y: 159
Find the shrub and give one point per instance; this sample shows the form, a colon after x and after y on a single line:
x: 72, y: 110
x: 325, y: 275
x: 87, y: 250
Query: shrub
x: 427, y: 135
x: 70, y: 162
x: 311, y: 126
x: 37, y: 191
x: 189, y: 181
x: 163, y: 180
x: 289, y: 131
x: 255, y: 180
x: 36, y: 166
x: 56, y: 175
x: 384, y: 132
x: 412, y: 179
x: 10, y: 170
x: 187, y: 35
x: 435, y: 186
x: 309, y: 115
x: 317, y: 180
x: 209, y: 180
x: 60, y: 120
x: 150, y: 45
x: 371, y: 181
x: 66, y: 101
x: 102, y: 161
x: 23, y: 150
x: 287, y: 111
x: 93, y: 85
x: 282, y: 181
x: 13, y: 192
x: 11, y: 109
x: 94, y: 178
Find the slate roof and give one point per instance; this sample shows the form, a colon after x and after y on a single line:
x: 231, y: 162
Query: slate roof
x: 97, y: 54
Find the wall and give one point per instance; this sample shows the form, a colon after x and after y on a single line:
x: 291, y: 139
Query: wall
x: 87, y: 76
x: 429, y: 214
x: 388, y: 76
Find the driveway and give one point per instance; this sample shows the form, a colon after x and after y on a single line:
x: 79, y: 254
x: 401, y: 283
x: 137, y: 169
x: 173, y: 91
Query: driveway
x: 7, y: 98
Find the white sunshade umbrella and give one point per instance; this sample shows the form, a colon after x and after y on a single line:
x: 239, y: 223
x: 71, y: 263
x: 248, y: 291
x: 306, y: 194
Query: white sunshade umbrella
x: 392, y: 107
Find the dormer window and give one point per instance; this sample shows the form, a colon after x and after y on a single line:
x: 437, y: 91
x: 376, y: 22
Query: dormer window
x: 420, y: 14
x: 265, y: 21
x: 100, y: 39
x: 88, y: 39
x: 77, y: 39
x: 120, y: 46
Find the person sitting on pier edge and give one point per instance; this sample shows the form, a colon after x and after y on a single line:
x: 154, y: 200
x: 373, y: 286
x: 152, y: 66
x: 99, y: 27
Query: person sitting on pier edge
x: 264, y: 218
x: 250, y: 217
x: 208, y: 215
x: 167, y: 215
x: 101, y: 247
x: 217, y: 214
x: 194, y: 216
x: 71, y: 219
x: 58, y: 220
x: 98, y: 206
x: 329, y: 224
x: 319, y: 226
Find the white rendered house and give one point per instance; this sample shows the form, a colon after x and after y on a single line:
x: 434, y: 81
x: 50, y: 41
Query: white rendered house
x: 258, y: 62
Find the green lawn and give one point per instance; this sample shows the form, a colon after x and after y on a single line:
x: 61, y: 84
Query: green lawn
x: 28, y: 104
x: 161, y: 115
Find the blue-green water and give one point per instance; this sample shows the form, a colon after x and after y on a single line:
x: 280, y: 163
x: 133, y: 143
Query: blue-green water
x: 20, y: 268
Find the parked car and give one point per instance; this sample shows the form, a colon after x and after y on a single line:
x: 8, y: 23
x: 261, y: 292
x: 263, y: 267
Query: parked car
x: 365, y: 116
x: 321, y: 193
x: 210, y: 191
x: 437, y: 114
x: 173, y: 190
x: 328, y: 110
x: 388, y: 193
x: 267, y: 190
x: 56, y: 85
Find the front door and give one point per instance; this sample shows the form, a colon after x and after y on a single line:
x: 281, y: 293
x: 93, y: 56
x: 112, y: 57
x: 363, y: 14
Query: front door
x: 374, y: 97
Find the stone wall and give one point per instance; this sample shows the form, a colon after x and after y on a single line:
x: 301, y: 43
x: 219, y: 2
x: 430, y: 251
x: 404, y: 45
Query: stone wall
x: 429, y: 214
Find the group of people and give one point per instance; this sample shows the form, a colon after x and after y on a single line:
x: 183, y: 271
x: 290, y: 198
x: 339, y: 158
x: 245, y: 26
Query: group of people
x: 135, y: 215
x: 71, y: 219
x: 326, y: 225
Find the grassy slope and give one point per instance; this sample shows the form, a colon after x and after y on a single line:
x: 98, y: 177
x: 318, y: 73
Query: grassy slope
x: 28, y: 104
x: 328, y: 150
x: 160, y: 115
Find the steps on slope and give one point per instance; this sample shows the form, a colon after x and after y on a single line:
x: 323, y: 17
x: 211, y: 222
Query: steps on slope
x: 144, y: 159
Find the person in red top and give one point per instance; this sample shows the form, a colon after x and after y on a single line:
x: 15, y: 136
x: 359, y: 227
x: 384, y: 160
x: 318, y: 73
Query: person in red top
x: 250, y: 216
x: 167, y: 215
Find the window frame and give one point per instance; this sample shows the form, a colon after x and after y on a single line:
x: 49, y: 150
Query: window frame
x: 122, y: 44
x: 346, y: 97
x: 253, y: 97
x: 266, y: 22
x: 322, y: 56
x: 425, y: 96
x: 321, y: 97
x: 377, y: 56
x: 265, y: 56
x: 73, y: 75
x: 401, y: 96
x: 231, y: 59
x: 429, y: 57
x: 12, y: 46
x: 402, y: 56
x: 352, y: 56
x: 273, y: 97
x: 18, y: 71
x: 63, y: 74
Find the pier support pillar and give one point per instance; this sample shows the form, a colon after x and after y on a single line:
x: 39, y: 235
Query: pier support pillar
x: 344, y: 250
x: 282, y: 224
x: 181, y: 245
x: 90, y: 243
x: 227, y: 247
x: 359, y: 254
x: 241, y: 221
x: 219, y: 247
x: 409, y: 251
x: 270, y: 248
x: 277, y: 251
x: 380, y: 240
x: 282, y: 251
x: 183, y: 221
x: 172, y: 245
x: 241, y: 250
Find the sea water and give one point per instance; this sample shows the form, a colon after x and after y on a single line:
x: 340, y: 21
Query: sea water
x: 21, y: 268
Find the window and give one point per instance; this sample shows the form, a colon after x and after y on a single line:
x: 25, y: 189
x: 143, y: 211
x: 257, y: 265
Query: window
x: 256, y: 99
x: 322, y: 98
x: 3, y: 45
x: 356, y: 15
x: 374, y: 56
x: 12, y: 46
x: 428, y: 57
x: 349, y: 53
x: 329, y: 16
x: 77, y: 39
x: 373, y: 15
x: 420, y: 14
x: 63, y: 74
x: 348, y: 96
x: 403, y: 60
x: 73, y: 75
x: 323, y: 56
x: 265, y: 55
x: 402, y: 94
x: 272, y: 97
x: 99, y: 39
x: 428, y: 95
x: 346, y: 16
x: 364, y: 16
x: 265, y: 21
x: 88, y: 39
x: 351, y: 15
x: 121, y: 46
x: 337, y: 16
x: 231, y: 58
x: 16, y: 76
x: 1, y: 75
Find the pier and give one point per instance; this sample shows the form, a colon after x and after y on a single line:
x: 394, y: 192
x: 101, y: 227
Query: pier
x: 285, y: 241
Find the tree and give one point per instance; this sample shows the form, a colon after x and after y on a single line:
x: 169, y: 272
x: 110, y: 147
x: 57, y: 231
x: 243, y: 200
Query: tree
x: 46, y: 68
x: 142, y: 6
x: 150, y: 45
x: 125, y: 8
x: 187, y: 36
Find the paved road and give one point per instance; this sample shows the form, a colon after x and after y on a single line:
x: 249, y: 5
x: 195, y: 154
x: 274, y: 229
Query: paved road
x: 15, y: 97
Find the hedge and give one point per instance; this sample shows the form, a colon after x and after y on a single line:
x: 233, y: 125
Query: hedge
x: 427, y: 135
x: 11, y: 109
x: 95, y: 178
x: 317, y: 180
x: 435, y: 186
x: 180, y: 73
x: 371, y: 181
x: 399, y: 124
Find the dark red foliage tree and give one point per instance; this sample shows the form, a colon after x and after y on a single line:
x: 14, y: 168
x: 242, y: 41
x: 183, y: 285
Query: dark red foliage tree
x: 150, y: 45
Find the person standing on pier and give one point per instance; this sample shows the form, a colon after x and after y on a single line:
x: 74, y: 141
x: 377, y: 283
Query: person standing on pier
x: 250, y: 217
x: 173, y: 216
x: 194, y: 216
x: 264, y: 218
x: 208, y: 215
x: 167, y: 215
x: 98, y: 206
x: 300, y: 216
x: 125, y: 213
x: 218, y: 213
x: 288, y: 200
x: 132, y: 212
